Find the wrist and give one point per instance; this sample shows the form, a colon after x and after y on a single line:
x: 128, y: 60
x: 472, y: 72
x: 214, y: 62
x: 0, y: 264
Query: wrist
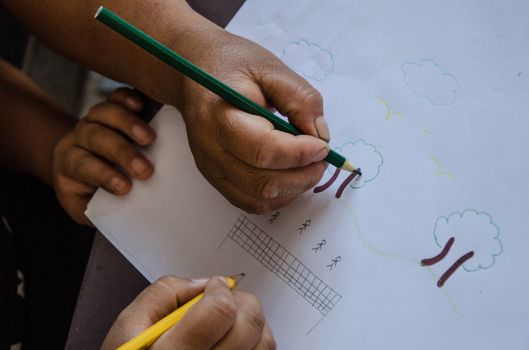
x: 63, y: 124
x: 194, y: 38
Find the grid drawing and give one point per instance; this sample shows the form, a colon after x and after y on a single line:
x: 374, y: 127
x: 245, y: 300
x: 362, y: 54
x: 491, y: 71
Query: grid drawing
x: 284, y: 265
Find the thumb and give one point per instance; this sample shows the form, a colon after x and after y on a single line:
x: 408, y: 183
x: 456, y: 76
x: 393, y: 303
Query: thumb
x: 151, y: 305
x: 295, y: 98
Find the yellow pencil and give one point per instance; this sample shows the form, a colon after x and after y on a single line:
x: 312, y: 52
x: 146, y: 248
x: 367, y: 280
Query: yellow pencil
x: 149, y: 336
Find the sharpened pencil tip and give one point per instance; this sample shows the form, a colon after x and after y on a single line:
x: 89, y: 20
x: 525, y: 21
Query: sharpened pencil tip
x: 98, y: 11
x: 238, y: 278
x: 349, y: 167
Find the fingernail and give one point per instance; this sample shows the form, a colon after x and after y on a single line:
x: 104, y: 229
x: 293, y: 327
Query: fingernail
x: 118, y: 184
x: 139, y: 166
x: 322, y: 154
x: 141, y: 133
x: 132, y: 102
x: 322, y: 128
x: 200, y: 281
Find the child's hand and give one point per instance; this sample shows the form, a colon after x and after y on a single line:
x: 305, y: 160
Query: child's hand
x: 86, y: 158
x: 221, y: 320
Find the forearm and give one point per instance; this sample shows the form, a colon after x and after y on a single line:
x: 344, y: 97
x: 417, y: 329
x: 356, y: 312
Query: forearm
x: 30, y: 125
x: 69, y: 27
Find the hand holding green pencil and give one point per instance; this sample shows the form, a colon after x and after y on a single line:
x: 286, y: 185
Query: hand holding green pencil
x: 259, y: 164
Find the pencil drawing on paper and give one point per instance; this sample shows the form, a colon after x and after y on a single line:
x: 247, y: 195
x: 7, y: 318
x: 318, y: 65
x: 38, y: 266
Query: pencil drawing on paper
x: 304, y: 226
x: 389, y: 110
x: 365, y: 155
x: 274, y: 217
x: 274, y: 257
x: 349, y: 179
x: 477, y: 236
x: 319, y: 246
x: 308, y: 59
x: 428, y: 80
x: 334, y: 262
x: 394, y: 256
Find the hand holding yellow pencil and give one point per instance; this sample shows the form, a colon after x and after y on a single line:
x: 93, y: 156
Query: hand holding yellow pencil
x: 217, y: 318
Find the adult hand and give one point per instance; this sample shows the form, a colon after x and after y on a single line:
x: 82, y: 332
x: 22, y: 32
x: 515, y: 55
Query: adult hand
x: 221, y: 320
x: 100, y: 152
x: 254, y: 166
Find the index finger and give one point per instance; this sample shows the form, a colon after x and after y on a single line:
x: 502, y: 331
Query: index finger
x: 116, y: 117
x: 254, y: 141
x: 207, y: 321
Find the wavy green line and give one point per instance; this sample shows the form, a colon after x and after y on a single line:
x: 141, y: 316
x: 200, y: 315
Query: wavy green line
x: 396, y: 256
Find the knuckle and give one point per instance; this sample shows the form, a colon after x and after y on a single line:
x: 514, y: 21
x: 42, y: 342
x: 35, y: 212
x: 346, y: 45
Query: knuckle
x: 256, y: 322
x: 318, y: 174
x: 80, y: 164
x: 225, y: 128
x: 270, y: 187
x: 70, y: 161
x: 106, y: 113
x: 166, y: 279
x: 299, y: 159
x: 88, y: 133
x: 312, y: 97
x: 224, y: 308
x: 112, y: 114
x: 168, y: 282
x: 124, y: 318
x: 253, y: 313
x: 305, y: 95
x: 268, y: 343
x: 263, y: 159
x: 292, y: 154
x: 63, y: 148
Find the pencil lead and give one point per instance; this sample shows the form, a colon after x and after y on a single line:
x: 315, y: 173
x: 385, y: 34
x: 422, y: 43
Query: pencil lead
x: 238, y: 278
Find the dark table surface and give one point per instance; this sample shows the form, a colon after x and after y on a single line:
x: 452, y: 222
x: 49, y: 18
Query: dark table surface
x: 111, y: 282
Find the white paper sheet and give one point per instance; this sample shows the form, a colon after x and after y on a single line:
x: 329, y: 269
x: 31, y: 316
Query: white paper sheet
x: 431, y: 99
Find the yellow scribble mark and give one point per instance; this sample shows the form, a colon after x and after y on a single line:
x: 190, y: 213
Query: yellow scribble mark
x: 438, y: 171
x: 389, y: 110
x: 426, y: 131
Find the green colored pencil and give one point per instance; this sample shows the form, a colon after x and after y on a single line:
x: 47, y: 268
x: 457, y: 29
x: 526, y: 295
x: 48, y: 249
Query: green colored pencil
x: 192, y: 71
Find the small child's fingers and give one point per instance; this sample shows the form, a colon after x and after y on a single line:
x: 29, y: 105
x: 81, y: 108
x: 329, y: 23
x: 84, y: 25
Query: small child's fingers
x: 83, y: 166
x: 116, y: 117
x: 128, y: 98
x: 112, y: 146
